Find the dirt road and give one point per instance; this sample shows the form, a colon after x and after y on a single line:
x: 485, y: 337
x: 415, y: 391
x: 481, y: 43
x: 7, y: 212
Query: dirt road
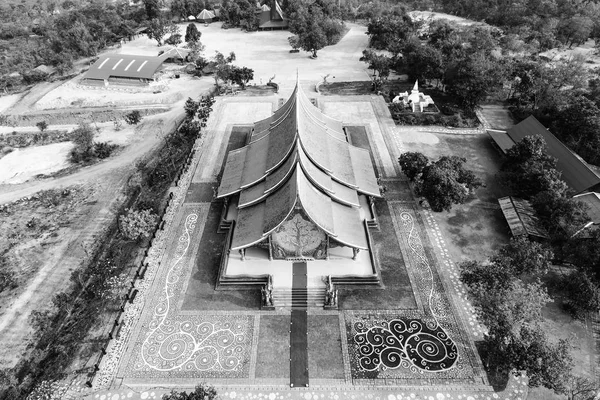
x: 107, y: 178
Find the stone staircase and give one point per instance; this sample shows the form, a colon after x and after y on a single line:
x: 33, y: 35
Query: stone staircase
x: 309, y: 297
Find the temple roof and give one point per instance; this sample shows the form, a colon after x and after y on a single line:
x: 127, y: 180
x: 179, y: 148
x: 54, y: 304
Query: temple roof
x: 256, y: 222
x: 299, y: 156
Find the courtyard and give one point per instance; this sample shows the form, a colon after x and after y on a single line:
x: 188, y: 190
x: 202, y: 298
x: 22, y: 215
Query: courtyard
x: 416, y: 331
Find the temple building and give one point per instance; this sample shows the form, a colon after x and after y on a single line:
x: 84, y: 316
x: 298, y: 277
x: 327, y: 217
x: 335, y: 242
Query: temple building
x: 298, y: 189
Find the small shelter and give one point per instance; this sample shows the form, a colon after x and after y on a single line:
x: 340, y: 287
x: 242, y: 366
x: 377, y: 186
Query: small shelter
x: 205, y: 16
x: 273, y: 18
x: 521, y: 218
x: 575, y: 172
x: 46, y: 70
x: 174, y: 54
x: 123, y: 69
x: 191, y: 18
x: 416, y: 100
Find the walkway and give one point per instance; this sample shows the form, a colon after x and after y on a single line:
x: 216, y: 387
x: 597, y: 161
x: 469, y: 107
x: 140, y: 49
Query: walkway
x: 298, y: 328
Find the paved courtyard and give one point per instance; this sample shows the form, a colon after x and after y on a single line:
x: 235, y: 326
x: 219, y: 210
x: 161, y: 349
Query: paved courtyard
x: 409, y: 340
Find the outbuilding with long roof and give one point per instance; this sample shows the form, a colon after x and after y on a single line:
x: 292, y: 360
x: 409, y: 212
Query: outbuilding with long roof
x: 575, y: 172
x: 124, y: 69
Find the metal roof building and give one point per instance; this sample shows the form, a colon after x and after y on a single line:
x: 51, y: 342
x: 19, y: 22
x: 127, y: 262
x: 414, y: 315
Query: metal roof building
x: 521, y: 218
x: 124, y: 67
x: 575, y: 172
x: 298, y: 168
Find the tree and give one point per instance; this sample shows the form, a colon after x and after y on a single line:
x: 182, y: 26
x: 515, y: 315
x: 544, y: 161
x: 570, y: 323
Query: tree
x: 562, y: 216
x: 423, y: 63
x: 152, y: 8
x: 133, y: 118
x: 159, y: 28
x: 42, y: 125
x: 223, y: 66
x: 446, y: 182
x: 192, y: 34
x: 471, y: 79
x: 202, y: 392
x: 137, y: 225
x: 241, y: 76
x: 312, y: 25
x: 380, y: 64
x: 191, y: 107
x: 577, y: 125
x: 174, y: 39
x: 581, y: 388
x: 575, y: 30
x: 83, y: 138
x: 528, y: 169
x: 524, y: 257
x: 583, y: 294
x: 391, y: 32
x: 239, y: 13
x: 412, y: 164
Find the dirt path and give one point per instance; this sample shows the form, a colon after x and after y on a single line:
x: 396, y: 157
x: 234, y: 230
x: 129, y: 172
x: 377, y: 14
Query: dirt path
x: 107, y: 178
x: 92, y: 219
x: 27, y: 102
x: 143, y: 145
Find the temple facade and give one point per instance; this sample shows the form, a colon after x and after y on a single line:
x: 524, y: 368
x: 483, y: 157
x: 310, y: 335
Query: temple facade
x: 298, y: 189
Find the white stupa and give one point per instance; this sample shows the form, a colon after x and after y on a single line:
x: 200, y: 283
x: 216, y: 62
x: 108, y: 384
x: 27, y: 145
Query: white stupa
x: 416, y: 100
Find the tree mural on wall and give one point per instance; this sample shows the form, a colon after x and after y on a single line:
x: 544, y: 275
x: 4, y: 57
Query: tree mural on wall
x: 298, y: 236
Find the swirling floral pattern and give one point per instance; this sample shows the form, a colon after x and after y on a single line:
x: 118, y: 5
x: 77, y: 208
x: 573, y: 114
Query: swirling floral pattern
x: 404, y: 343
x: 195, y: 343
x: 419, y: 345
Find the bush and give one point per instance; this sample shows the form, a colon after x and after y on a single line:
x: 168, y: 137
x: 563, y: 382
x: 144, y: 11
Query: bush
x: 133, y: 118
x: 8, y: 279
x: 404, y: 117
x: 137, y: 225
x: 103, y: 150
x: 173, y: 40
x: 42, y: 125
x: 201, y: 392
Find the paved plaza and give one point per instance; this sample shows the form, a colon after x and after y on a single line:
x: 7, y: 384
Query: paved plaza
x: 413, y: 338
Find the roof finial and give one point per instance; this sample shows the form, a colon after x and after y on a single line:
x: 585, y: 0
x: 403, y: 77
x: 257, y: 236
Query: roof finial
x: 416, y: 87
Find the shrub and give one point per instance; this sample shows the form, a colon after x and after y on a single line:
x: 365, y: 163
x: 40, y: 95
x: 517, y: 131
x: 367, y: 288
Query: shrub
x: 133, y: 118
x: 8, y: 279
x: 137, y: 225
x: 173, y: 40
x: 42, y: 125
x: 202, y: 392
x: 103, y: 150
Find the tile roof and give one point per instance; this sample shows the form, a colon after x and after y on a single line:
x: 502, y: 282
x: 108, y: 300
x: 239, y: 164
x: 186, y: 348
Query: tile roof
x: 299, y: 155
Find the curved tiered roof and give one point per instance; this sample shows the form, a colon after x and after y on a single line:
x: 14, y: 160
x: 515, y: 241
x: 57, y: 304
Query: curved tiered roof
x: 299, y: 157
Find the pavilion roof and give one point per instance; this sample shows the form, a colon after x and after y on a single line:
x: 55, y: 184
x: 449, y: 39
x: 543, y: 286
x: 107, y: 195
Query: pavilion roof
x: 299, y: 156
x: 521, y: 218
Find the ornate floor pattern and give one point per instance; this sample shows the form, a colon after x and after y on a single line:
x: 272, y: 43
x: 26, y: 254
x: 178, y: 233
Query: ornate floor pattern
x: 412, y: 345
x: 171, y: 345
